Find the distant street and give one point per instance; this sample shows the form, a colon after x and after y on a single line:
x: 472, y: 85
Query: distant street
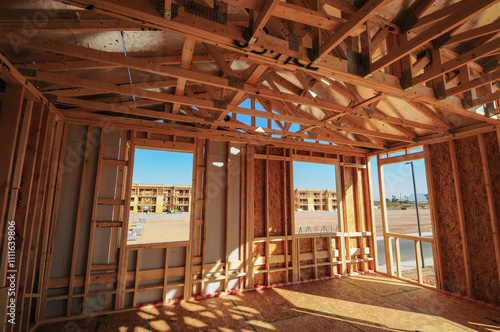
x: 407, y: 249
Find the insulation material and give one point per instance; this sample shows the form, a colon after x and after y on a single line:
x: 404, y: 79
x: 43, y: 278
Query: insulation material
x: 259, y: 198
x: 323, y: 271
x: 307, y: 273
x: 259, y: 279
x: 275, y: 199
x: 276, y: 248
x: 322, y: 244
x: 448, y: 230
x: 484, y: 277
x: 305, y: 245
x: 259, y: 249
x: 277, y: 277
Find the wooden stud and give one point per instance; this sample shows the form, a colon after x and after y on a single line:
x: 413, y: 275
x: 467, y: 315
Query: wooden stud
x: 383, y: 210
x: 76, y: 235
x: 341, y: 218
x: 491, y: 201
x: 50, y: 211
x: 226, y: 233
x: 295, y: 248
x: 249, y: 281
x: 43, y: 160
x: 435, y: 227
x: 136, y: 279
x: 418, y: 259
x: 10, y: 117
x: 205, y: 209
x: 267, y: 222
x: 90, y: 249
x: 461, y: 218
x: 398, y: 257
x: 371, y: 214
x: 33, y: 151
x: 243, y: 207
x: 123, y: 258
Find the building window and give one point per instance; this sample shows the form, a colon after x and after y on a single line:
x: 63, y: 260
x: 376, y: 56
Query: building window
x: 315, y: 198
x: 158, y: 178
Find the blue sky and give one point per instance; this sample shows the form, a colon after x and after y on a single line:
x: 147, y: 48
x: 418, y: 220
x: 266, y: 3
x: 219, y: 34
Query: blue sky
x: 398, y: 179
x: 313, y: 176
x: 162, y: 167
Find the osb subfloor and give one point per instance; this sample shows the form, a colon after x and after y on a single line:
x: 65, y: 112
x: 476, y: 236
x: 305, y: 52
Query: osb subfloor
x: 363, y: 303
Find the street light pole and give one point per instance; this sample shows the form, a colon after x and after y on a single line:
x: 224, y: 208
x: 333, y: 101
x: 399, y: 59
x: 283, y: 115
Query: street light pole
x: 418, y: 215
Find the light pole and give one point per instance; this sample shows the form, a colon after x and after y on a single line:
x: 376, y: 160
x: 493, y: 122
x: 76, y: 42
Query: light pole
x: 418, y: 215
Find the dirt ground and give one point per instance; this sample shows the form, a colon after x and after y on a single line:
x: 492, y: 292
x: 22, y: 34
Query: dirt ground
x: 400, y: 221
x: 164, y: 227
x: 428, y: 276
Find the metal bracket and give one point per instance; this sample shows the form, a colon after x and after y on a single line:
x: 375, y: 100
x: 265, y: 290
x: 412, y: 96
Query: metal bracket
x: 27, y: 72
x: 236, y: 82
x: 439, y: 91
x: 409, y: 23
x: 491, y: 66
x: 293, y: 42
x: 50, y: 97
x: 313, y: 53
x: 407, y: 80
x: 217, y: 14
x: 313, y: 135
x: 220, y: 104
x: 441, y: 40
x: 354, y: 62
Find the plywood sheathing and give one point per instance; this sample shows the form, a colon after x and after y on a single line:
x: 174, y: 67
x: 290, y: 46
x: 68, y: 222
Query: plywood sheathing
x: 492, y: 147
x: 452, y: 263
x: 484, y: 277
x: 259, y: 198
x: 368, y: 303
x: 275, y: 192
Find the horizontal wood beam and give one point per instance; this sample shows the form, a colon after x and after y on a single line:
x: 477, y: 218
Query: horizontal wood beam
x: 204, y: 132
x: 400, y: 159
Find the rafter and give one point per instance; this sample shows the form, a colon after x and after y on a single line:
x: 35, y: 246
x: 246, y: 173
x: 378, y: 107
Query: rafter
x: 484, y: 30
x: 187, y: 55
x: 430, y: 114
x: 472, y: 55
x: 264, y: 14
x: 354, y: 22
x: 471, y: 8
x: 226, y: 38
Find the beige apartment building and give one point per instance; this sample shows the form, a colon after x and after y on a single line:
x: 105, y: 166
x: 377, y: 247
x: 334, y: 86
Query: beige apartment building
x: 159, y: 198
x: 315, y: 200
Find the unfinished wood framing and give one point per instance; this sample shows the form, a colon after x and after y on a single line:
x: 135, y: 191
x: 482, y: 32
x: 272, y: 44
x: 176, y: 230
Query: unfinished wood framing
x: 248, y: 88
